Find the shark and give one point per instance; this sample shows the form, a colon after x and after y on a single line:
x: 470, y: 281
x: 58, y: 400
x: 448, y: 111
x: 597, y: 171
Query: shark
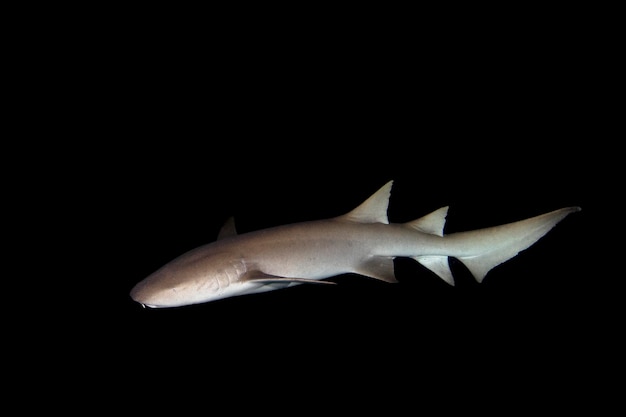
x: 361, y: 242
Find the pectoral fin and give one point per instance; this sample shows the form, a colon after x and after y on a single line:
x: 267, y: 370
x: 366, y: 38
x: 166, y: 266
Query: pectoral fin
x: 262, y: 277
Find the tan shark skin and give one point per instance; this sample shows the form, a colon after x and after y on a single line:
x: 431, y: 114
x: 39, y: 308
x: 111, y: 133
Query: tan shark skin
x: 361, y: 241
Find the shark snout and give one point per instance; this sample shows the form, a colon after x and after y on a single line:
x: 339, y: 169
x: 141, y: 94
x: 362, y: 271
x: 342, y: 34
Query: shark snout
x: 155, y: 292
x: 143, y: 295
x: 136, y: 294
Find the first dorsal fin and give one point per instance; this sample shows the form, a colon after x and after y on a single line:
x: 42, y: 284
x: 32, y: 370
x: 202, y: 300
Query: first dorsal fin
x: 372, y: 210
x: 432, y: 223
x: 228, y: 229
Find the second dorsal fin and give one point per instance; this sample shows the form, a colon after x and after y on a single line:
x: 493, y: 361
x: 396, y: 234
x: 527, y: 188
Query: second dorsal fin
x: 432, y: 223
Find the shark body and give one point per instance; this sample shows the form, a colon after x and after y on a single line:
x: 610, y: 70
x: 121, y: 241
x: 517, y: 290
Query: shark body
x: 361, y: 241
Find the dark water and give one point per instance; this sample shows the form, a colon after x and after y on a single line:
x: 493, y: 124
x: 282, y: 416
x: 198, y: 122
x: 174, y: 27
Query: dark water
x: 165, y: 170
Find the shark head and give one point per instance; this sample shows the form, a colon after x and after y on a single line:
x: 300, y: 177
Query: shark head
x: 195, y: 277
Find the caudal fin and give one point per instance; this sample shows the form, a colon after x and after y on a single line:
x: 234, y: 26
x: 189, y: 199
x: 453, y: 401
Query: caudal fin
x: 484, y: 249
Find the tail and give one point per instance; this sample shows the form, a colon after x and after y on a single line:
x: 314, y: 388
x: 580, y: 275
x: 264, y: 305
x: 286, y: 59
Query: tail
x: 483, y: 249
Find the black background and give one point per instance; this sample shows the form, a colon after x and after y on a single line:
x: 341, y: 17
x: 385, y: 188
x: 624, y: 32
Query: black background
x: 176, y: 135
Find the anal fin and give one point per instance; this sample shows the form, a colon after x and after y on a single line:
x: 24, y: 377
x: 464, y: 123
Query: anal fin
x: 439, y: 265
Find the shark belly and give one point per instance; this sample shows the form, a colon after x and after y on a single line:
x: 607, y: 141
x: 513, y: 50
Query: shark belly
x: 323, y: 249
x: 311, y: 250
